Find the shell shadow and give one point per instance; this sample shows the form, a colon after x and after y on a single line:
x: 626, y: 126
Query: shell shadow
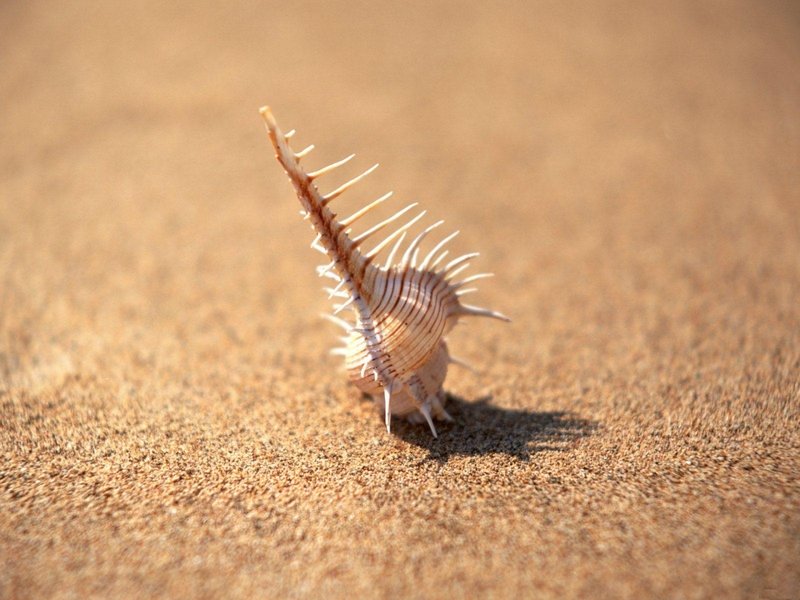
x: 480, y: 428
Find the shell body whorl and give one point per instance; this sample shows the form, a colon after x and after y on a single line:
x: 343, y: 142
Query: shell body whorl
x: 410, y: 320
x: 395, y: 349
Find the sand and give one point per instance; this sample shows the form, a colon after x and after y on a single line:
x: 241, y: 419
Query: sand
x: 171, y: 424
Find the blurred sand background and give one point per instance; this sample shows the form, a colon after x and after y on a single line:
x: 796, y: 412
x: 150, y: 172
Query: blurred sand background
x: 171, y: 424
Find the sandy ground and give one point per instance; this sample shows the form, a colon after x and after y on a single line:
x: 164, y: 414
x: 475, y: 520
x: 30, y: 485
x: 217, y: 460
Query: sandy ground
x: 171, y: 422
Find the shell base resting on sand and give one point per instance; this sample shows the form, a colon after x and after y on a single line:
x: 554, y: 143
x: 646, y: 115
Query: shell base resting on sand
x: 394, y: 349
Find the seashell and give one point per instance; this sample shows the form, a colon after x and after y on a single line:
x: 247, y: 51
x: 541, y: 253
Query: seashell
x: 395, y: 349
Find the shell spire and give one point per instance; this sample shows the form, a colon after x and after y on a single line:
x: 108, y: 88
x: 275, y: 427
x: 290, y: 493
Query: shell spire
x: 395, y: 349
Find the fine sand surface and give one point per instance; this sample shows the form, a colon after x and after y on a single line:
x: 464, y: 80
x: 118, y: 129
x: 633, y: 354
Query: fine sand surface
x: 171, y: 424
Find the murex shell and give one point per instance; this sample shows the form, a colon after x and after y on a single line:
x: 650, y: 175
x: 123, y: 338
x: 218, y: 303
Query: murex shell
x: 395, y: 350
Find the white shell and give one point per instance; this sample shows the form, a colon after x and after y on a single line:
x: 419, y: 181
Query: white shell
x: 395, y: 349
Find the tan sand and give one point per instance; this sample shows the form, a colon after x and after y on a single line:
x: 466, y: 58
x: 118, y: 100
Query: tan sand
x: 171, y: 422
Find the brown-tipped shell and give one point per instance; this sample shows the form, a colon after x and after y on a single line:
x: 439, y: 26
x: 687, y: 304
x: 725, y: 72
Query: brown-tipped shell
x: 395, y: 349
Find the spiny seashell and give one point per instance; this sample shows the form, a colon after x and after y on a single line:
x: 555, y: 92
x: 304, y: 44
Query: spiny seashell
x: 395, y: 350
